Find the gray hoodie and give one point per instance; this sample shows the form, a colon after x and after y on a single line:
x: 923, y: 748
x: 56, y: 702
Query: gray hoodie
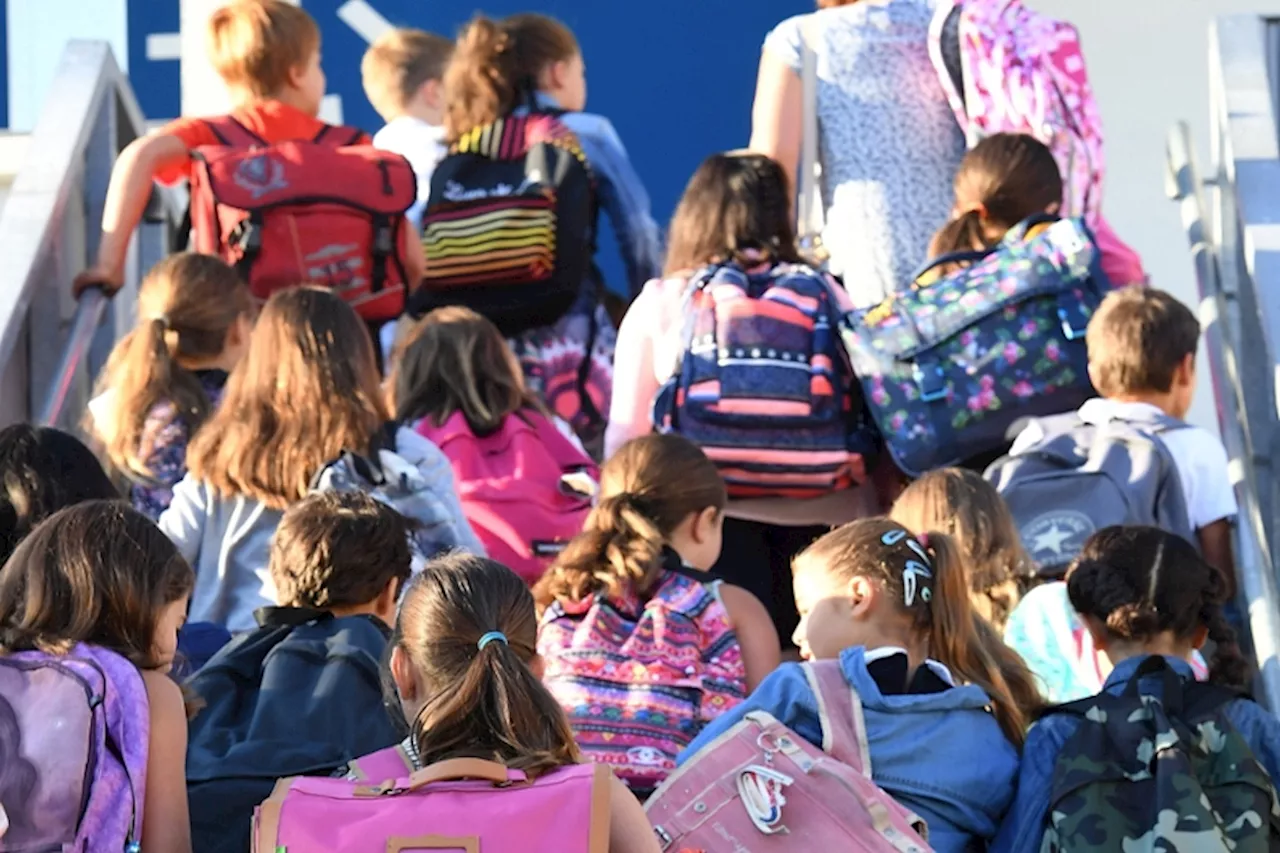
x: 227, y: 539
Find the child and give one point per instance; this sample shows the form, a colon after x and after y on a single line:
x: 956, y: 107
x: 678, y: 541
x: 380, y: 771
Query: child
x: 165, y: 377
x: 1143, y: 594
x: 267, y: 52
x: 97, y: 589
x: 967, y: 508
x: 44, y: 470
x: 526, y: 482
x: 306, y: 391
x: 1006, y: 179
x: 737, y: 207
x: 403, y: 75
x: 464, y: 667
x: 301, y: 694
x: 501, y: 68
x: 642, y: 647
x: 946, y: 704
x: 1142, y: 360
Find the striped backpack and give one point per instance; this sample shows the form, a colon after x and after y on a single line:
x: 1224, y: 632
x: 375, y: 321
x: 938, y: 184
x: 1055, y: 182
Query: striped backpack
x: 509, y: 228
x: 639, y: 676
x: 764, y: 385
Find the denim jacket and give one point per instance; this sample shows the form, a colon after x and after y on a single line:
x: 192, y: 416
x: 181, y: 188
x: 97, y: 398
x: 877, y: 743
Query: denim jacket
x: 620, y: 192
x: 1024, y: 826
x: 942, y: 755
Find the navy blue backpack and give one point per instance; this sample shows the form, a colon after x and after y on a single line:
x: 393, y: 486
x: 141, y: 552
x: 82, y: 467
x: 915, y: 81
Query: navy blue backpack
x: 302, y: 695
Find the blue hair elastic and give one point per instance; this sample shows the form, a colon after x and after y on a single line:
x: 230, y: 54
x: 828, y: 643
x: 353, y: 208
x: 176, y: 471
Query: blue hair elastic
x: 492, y: 637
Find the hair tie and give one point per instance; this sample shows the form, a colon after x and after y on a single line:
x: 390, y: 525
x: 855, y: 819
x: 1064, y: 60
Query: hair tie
x: 492, y: 637
x: 162, y: 319
x: 977, y: 207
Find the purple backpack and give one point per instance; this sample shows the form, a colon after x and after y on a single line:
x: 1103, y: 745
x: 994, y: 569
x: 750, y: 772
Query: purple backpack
x: 74, y: 731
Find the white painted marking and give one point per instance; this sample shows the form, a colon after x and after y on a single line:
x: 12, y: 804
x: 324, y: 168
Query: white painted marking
x: 364, y: 19
x: 331, y: 109
x: 164, y: 46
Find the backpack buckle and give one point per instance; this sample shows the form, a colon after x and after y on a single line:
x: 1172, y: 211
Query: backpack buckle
x: 931, y: 381
x: 247, y: 237
x: 1071, y: 315
x: 382, y: 243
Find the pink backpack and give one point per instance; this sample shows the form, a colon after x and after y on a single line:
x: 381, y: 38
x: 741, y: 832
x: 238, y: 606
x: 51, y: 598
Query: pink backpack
x: 1007, y: 68
x: 463, y: 804
x: 526, y: 489
x: 763, y: 788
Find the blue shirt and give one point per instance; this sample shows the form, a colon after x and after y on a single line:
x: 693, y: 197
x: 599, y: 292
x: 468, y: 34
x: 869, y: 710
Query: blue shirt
x: 1024, y: 826
x: 620, y: 193
x: 942, y: 755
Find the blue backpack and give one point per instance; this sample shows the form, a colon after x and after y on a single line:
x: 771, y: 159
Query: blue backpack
x: 949, y: 367
x: 764, y: 385
x: 302, y: 695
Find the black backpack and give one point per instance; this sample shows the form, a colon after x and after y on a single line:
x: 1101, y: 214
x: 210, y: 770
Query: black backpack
x: 509, y: 229
x: 302, y: 695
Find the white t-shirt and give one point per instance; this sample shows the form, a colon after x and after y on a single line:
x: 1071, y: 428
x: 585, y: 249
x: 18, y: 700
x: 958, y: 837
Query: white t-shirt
x: 1199, y: 456
x: 422, y: 145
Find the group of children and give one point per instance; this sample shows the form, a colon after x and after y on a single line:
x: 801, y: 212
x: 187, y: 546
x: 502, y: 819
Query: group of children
x: 532, y: 607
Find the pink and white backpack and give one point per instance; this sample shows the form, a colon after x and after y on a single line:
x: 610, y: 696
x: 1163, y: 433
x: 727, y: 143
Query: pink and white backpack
x: 463, y: 804
x: 526, y: 489
x: 763, y: 788
x: 1007, y: 68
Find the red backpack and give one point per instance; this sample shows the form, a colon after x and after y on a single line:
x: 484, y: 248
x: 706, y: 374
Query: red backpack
x: 518, y: 487
x: 327, y: 212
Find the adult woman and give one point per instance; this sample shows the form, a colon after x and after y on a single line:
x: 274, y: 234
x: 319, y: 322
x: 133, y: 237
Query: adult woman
x: 889, y: 144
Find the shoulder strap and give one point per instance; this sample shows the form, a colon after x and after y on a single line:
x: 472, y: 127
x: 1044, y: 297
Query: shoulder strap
x: 809, y: 202
x: 232, y: 133
x: 844, y: 729
x: 338, y: 135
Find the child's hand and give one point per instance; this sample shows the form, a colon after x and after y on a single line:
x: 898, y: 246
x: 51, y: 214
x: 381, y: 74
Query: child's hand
x: 109, y: 281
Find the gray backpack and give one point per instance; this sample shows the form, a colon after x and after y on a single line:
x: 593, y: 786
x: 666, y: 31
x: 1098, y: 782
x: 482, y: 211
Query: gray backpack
x: 1081, y: 478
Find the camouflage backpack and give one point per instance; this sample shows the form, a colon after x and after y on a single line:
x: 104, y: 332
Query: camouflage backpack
x: 1146, y: 774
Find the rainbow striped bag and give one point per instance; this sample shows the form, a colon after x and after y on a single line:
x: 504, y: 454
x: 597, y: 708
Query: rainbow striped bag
x: 509, y: 229
x: 764, y: 385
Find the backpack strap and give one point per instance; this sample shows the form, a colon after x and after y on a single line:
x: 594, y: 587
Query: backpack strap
x: 232, y: 133
x: 338, y: 136
x: 844, y: 729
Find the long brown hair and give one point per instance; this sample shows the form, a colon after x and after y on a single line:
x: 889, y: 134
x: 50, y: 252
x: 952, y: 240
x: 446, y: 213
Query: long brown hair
x: 99, y: 572
x: 646, y: 489
x: 187, y: 305
x: 1005, y: 179
x: 881, y: 549
x: 1142, y: 581
x: 480, y: 702
x: 457, y: 361
x: 495, y: 67
x: 306, y: 390
x: 735, y: 203
x: 967, y: 508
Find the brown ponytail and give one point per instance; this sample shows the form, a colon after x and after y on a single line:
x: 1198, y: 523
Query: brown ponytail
x: 646, y: 489
x: 496, y: 64
x: 187, y: 304
x: 965, y: 643
x: 1005, y: 179
x: 480, y: 702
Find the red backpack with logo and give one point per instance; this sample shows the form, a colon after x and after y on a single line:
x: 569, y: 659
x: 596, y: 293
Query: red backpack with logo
x: 328, y: 212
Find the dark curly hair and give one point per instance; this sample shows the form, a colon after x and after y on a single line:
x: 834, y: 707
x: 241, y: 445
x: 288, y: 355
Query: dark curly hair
x: 1141, y: 582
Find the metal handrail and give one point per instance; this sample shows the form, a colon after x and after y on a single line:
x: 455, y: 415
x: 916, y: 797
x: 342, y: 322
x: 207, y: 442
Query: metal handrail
x: 1254, y: 566
x: 48, y: 232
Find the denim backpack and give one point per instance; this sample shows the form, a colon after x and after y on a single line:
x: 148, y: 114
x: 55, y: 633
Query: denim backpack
x: 1081, y: 478
x: 1147, y: 773
x: 73, y: 752
x: 764, y: 386
x: 302, y: 695
x: 948, y: 368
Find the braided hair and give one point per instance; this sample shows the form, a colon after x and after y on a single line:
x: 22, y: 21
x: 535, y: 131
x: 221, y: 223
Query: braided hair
x: 1141, y: 582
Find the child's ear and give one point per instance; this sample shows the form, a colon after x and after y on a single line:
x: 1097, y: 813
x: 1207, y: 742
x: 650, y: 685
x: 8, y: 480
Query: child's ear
x: 1093, y: 376
x: 704, y: 523
x: 538, y: 667
x: 402, y: 675
x: 1186, y: 372
x: 1053, y: 208
x: 384, y: 606
x: 432, y: 94
x: 863, y: 595
x: 1200, y: 637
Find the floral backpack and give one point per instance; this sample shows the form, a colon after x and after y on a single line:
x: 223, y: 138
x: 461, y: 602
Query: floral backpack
x: 639, y: 677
